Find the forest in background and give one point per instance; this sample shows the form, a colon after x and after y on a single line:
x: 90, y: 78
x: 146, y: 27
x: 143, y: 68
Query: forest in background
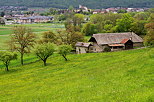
x: 93, y: 4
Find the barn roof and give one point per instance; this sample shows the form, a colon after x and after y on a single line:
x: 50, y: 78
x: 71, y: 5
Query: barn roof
x: 114, y: 38
x: 82, y: 44
x: 124, y: 41
x: 116, y: 44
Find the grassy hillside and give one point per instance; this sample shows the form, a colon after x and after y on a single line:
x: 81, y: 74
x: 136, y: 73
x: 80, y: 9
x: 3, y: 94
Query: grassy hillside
x: 125, y: 76
x: 75, y: 3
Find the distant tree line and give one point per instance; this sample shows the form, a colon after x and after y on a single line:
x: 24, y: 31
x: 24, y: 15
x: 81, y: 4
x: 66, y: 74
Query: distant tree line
x: 89, y: 3
x: 140, y: 23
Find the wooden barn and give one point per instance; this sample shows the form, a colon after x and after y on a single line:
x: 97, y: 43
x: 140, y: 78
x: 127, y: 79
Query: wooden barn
x: 115, y: 41
x: 110, y: 42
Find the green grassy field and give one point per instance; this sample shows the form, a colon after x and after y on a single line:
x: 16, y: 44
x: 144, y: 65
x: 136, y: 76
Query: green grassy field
x: 5, y: 31
x: 125, y: 76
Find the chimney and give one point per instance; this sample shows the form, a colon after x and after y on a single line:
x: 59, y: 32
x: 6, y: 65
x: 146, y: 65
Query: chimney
x: 131, y: 36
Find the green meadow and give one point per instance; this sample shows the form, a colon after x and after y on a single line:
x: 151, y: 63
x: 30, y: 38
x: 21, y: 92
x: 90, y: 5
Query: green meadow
x: 5, y: 31
x: 125, y: 76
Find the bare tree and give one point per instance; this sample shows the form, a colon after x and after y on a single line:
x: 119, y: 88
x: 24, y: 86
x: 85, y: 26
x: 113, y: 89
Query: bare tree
x: 22, y: 40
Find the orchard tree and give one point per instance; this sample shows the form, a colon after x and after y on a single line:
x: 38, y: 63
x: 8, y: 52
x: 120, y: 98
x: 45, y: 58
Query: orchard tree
x: 49, y: 36
x: 6, y: 57
x: 69, y: 37
x: 64, y: 50
x: 44, y: 51
x: 22, y: 40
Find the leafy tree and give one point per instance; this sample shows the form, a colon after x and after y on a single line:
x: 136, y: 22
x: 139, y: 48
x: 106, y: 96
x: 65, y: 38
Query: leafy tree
x: 53, y: 11
x: 44, y: 51
x: 78, y: 19
x: 124, y: 24
x: 71, y: 8
x: 107, y: 28
x: 62, y: 17
x: 151, y: 10
x: 22, y: 40
x: 89, y: 29
x: 149, y: 38
x: 49, y: 36
x: 96, y: 18
x: 151, y: 18
x: 6, y: 57
x: 138, y: 27
x: 64, y: 50
x: 104, y: 21
x: 122, y: 11
x: 69, y: 37
x: 110, y: 18
x: 141, y: 16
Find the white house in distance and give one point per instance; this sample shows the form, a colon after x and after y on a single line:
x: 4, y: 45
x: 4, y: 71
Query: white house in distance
x: 33, y: 19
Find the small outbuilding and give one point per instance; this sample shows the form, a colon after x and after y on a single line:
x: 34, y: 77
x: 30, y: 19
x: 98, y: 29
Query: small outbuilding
x: 128, y: 43
x: 82, y: 47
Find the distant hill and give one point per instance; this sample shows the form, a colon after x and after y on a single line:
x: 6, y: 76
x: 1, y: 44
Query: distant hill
x: 75, y: 3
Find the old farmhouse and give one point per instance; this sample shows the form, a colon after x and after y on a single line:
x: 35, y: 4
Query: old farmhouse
x: 112, y: 42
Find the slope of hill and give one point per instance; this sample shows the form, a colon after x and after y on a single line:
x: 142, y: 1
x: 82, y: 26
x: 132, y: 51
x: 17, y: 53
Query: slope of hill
x: 75, y: 3
x: 97, y: 77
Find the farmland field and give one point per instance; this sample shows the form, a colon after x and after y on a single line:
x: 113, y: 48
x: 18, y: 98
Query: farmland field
x: 125, y: 76
x: 5, y: 31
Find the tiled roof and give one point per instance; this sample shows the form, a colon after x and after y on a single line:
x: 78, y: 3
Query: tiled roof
x: 82, y: 44
x: 124, y: 41
x: 114, y: 38
x: 116, y: 44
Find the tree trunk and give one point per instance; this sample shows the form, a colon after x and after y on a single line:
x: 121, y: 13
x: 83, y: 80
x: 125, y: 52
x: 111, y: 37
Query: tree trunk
x: 7, y: 68
x: 45, y: 62
x: 65, y: 57
x: 21, y: 59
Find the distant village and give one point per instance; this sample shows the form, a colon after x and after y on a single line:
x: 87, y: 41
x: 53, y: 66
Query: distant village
x: 25, y: 15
